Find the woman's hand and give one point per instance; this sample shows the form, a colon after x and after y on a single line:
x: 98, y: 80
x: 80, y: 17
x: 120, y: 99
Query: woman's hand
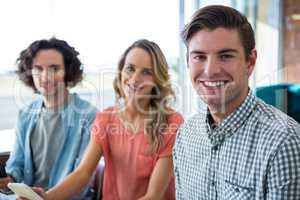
x: 40, y: 191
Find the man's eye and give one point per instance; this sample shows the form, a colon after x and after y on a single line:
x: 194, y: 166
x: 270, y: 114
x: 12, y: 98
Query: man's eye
x: 37, y: 70
x: 55, y: 68
x: 226, y: 56
x: 199, y: 57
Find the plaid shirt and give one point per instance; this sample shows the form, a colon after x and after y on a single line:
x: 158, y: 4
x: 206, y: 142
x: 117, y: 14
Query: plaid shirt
x: 253, y: 154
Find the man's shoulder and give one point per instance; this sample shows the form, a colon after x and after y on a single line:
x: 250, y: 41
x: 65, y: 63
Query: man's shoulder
x: 82, y: 102
x: 273, y: 121
x: 276, y: 134
x: 194, y: 122
x: 82, y: 106
x: 274, y: 116
x: 33, y: 107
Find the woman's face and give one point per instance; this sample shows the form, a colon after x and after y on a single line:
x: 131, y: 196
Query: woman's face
x: 137, y: 76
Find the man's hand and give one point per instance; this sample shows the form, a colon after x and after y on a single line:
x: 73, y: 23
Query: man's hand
x: 4, y: 181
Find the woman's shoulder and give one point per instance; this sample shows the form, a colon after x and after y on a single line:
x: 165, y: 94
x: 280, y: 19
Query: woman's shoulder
x: 174, y: 121
x: 106, y: 114
x: 174, y: 116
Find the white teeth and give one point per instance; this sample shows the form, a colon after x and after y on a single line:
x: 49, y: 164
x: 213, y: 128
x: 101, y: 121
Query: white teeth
x: 214, y: 83
x: 134, y: 88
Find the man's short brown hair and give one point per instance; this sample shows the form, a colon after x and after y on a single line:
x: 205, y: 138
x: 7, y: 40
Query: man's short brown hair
x: 216, y: 16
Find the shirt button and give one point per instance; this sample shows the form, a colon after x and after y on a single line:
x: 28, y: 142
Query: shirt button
x: 212, y: 183
x: 215, y: 148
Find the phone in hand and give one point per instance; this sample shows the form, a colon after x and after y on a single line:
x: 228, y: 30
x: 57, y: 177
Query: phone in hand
x: 24, y: 190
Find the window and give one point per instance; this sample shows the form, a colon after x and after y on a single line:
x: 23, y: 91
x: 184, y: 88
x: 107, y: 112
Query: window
x: 99, y: 30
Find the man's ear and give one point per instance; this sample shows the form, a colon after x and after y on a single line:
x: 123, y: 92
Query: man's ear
x: 251, y: 62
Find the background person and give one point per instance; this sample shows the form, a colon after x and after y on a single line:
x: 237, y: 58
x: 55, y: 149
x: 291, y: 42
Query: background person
x: 54, y: 130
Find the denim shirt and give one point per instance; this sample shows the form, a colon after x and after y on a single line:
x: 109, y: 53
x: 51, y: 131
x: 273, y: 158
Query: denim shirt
x: 77, y: 120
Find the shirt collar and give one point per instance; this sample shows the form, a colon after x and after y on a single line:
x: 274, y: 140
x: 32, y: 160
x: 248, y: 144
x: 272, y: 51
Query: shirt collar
x: 67, y: 113
x: 232, y: 122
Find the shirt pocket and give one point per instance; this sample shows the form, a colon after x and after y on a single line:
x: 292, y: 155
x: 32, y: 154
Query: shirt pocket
x: 144, y: 165
x: 234, y: 191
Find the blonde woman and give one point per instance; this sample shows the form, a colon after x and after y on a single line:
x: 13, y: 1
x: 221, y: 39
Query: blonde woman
x: 135, y: 137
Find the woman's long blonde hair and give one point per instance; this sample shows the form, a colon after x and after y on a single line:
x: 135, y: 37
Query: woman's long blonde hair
x: 161, y: 94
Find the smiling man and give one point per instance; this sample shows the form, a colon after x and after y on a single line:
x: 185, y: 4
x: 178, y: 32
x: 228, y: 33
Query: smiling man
x: 238, y: 147
x: 53, y: 131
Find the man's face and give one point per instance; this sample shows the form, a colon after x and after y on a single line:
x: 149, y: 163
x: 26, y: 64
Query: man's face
x: 48, y: 72
x: 218, y: 67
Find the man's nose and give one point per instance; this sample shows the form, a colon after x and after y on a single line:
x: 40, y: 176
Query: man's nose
x: 212, y: 67
x: 46, y: 75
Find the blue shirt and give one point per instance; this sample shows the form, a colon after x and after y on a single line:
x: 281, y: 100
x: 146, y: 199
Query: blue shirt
x: 253, y: 154
x: 77, y: 119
